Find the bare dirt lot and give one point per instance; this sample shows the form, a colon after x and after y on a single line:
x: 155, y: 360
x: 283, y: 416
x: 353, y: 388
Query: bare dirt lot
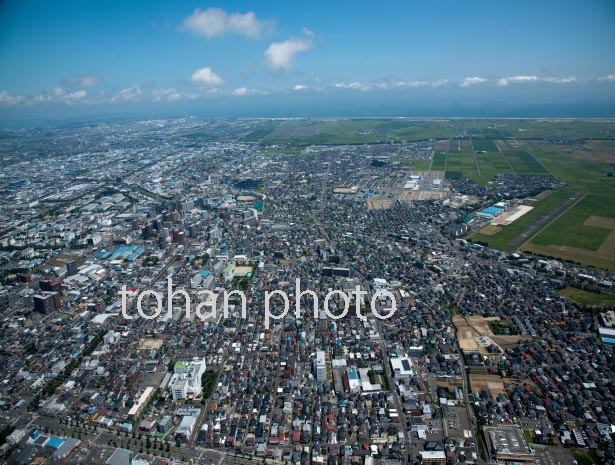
x: 492, y: 383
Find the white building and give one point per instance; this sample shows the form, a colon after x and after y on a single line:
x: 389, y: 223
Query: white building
x: 401, y: 367
x: 379, y: 284
x: 185, y: 428
x: 320, y: 367
x: 186, y: 380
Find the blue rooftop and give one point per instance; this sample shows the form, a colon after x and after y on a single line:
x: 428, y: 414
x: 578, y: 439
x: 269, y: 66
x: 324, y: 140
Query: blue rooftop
x: 493, y: 210
x: 54, y: 443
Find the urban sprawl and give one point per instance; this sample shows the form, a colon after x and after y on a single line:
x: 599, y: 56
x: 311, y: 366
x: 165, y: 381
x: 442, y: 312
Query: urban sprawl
x: 483, y: 361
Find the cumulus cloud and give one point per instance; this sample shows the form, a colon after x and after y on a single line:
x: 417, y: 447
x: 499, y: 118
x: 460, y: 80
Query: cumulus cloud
x: 299, y: 87
x: 472, y: 81
x: 214, y: 22
x: 59, y: 95
x: 240, y: 91
x: 77, y: 95
x: 89, y: 80
x: 130, y: 94
x: 610, y: 77
x: 206, y: 76
x: 7, y: 99
x: 279, y: 55
x: 166, y: 94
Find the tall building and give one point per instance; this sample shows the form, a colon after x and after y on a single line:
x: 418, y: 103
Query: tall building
x: 50, y: 286
x: 47, y: 302
x: 320, y: 366
x: 186, y: 380
x: 71, y: 268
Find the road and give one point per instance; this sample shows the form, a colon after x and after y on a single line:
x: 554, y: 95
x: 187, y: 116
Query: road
x: 106, y: 437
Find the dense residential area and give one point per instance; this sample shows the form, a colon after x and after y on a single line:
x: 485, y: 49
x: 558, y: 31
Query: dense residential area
x: 499, y: 342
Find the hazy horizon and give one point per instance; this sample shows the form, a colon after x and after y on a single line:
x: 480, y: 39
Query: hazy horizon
x: 443, y: 59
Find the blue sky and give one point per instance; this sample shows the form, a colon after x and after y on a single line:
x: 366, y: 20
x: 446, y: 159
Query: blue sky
x: 66, y: 57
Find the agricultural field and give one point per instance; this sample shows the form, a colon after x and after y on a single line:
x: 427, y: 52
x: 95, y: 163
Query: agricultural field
x: 490, y: 160
x: 587, y: 298
x: 439, y: 161
x: 353, y: 131
x: 584, y: 233
x: 302, y: 132
x: 587, y: 168
x: 523, y: 163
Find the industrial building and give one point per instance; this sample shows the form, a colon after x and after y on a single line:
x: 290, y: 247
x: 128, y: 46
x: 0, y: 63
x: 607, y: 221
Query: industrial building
x: 507, y: 445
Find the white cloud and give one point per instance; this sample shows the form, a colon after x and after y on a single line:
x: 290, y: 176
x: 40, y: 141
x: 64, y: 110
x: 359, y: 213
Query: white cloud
x: 610, y: 77
x: 130, y: 94
x: 471, y: 81
x: 59, y: 95
x: 167, y: 94
x: 77, y: 95
x: 387, y: 84
x: 516, y: 80
x: 418, y: 84
x: 351, y: 85
x: 308, y: 33
x: 439, y: 83
x: 7, y: 99
x: 206, y: 76
x: 214, y: 22
x: 86, y: 81
x: 279, y: 55
x: 560, y: 80
x: 240, y: 91
x: 299, y: 87
x: 503, y: 82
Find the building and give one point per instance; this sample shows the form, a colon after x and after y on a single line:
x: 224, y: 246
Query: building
x: 433, y: 456
x: 506, y: 444
x: 47, y: 302
x: 379, y: 284
x: 141, y: 402
x: 185, y: 428
x: 186, y: 380
x: 71, y: 268
x: 50, y: 286
x: 401, y: 367
x: 119, y: 457
x: 320, y: 366
x: 16, y: 436
x: 164, y: 424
